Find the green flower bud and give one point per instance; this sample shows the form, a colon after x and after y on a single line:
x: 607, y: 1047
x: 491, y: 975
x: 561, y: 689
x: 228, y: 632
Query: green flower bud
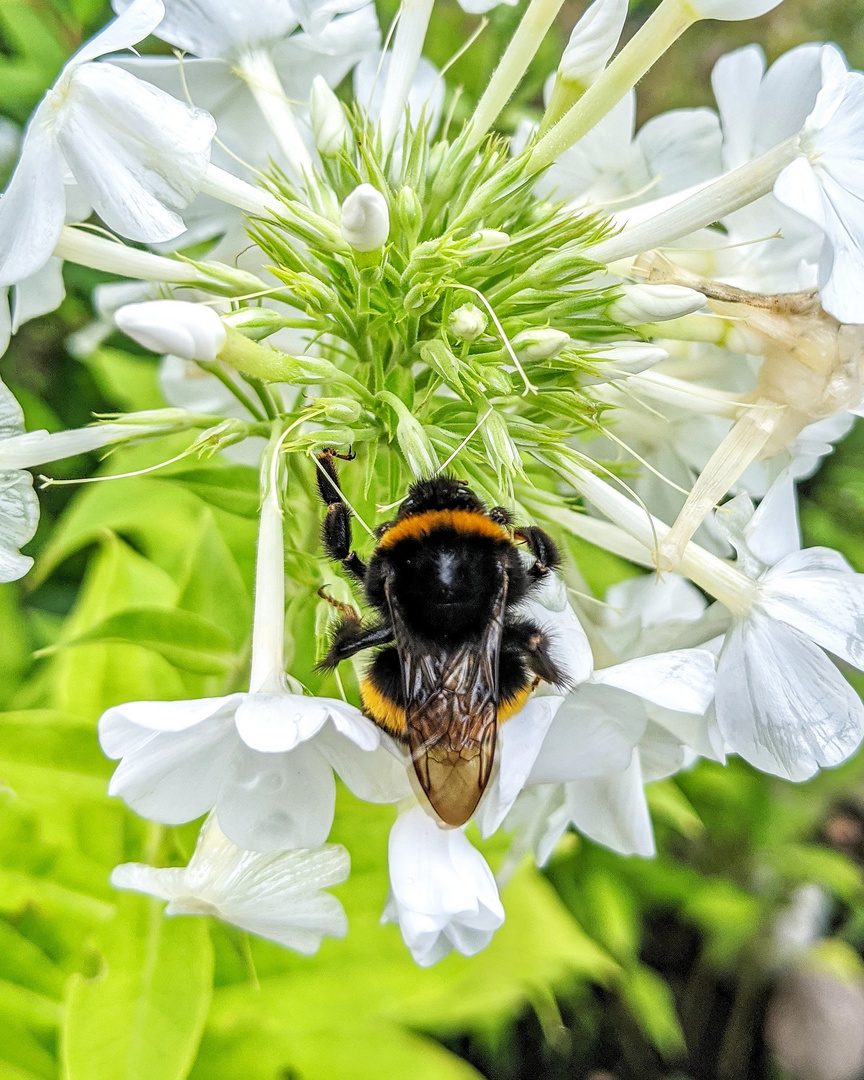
x: 442, y: 361
x: 339, y: 410
x: 503, y: 453
x: 255, y: 322
x: 541, y: 344
x: 468, y: 322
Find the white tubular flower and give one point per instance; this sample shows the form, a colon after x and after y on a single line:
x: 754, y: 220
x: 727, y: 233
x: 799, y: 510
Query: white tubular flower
x: 138, y: 155
x: 442, y: 892
x: 825, y: 185
x: 263, y: 760
x: 365, y: 219
x: 190, y: 331
x: 276, y: 895
x: 19, y: 507
x: 781, y: 703
x: 424, y: 96
x: 593, y: 41
x: 326, y: 118
x: 654, y: 303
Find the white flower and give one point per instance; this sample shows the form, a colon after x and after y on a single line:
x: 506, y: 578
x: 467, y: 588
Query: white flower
x: 19, y: 507
x: 593, y: 41
x: 442, y: 892
x: 138, y: 155
x: 275, y: 895
x: 263, y: 760
x: 781, y: 702
x: 190, y: 331
x: 825, y: 185
x: 365, y: 219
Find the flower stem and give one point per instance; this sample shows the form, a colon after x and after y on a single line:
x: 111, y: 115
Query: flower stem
x: 267, y: 671
x: 665, y: 26
x: 523, y: 46
x: 258, y: 71
x: 713, y: 202
x: 414, y: 18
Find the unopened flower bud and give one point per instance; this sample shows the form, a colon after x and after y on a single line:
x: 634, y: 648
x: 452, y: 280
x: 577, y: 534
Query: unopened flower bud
x: 339, y: 410
x: 467, y: 322
x: 409, y: 212
x: 732, y: 10
x: 412, y: 438
x: 654, y: 303
x: 502, y: 451
x: 365, y: 219
x: 630, y: 357
x: 489, y: 240
x: 327, y: 119
x: 255, y: 322
x: 593, y: 41
x: 190, y: 331
x: 541, y: 344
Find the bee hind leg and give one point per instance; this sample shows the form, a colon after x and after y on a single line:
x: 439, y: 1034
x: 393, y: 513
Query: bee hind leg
x: 534, y: 646
x: 336, y: 530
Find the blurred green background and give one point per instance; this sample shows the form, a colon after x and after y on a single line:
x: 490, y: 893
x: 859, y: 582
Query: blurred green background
x: 606, y: 967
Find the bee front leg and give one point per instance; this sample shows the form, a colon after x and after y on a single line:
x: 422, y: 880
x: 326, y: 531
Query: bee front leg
x: 542, y: 547
x: 336, y: 531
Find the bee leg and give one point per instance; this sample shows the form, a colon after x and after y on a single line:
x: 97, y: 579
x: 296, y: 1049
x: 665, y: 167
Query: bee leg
x: 534, y: 646
x: 345, y: 610
x: 542, y: 547
x: 336, y: 531
x: 501, y: 515
x: 351, y: 637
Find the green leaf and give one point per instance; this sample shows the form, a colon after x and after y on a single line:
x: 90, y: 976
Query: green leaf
x: 650, y: 999
x: 23, y: 1056
x: 185, y: 640
x: 141, y: 1018
x: 126, y: 379
x: 233, y: 488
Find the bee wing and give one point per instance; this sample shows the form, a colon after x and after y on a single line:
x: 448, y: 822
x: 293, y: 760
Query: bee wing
x: 451, y: 709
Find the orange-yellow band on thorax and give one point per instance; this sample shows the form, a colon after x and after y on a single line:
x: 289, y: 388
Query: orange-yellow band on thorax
x: 463, y: 521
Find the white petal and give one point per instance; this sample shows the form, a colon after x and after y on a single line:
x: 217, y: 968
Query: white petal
x: 612, y: 810
x: 212, y: 28
x: 32, y: 210
x: 159, y: 716
x: 773, y: 531
x: 274, y: 723
x: 174, y: 776
x: 593, y: 40
x: 315, y: 15
x: 816, y: 591
x: 138, y: 154
x: 661, y: 754
x: 681, y: 148
x: 343, y: 44
x: 682, y: 680
x: 374, y: 775
x: 139, y: 19
x: 734, y: 10
x: 781, y: 704
x: 736, y: 79
x: 519, y: 743
x: 38, y: 294
x: 270, y: 802
x: 593, y: 733
x: 163, y: 883
x: 19, y: 516
x: 549, y: 607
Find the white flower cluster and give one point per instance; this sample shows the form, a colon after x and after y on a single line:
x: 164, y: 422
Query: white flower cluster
x: 729, y: 365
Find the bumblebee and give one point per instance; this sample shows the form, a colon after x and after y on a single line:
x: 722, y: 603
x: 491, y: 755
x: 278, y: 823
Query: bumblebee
x: 455, y: 658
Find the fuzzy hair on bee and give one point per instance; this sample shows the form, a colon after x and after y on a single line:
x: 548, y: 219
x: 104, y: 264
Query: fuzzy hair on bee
x: 454, y: 657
